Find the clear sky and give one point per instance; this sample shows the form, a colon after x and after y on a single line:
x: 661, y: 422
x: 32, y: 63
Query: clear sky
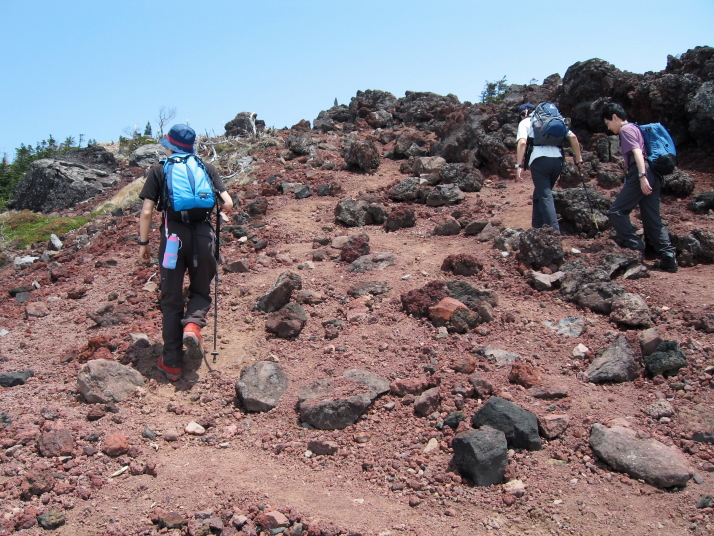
x: 100, y: 68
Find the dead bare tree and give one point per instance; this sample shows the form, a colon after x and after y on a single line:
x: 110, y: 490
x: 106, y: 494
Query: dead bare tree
x: 165, y: 115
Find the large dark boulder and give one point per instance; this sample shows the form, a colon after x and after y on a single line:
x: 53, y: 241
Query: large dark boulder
x: 93, y: 156
x: 519, y: 425
x: 369, y: 101
x: 361, y: 154
x: 245, y: 125
x: 423, y: 107
x: 582, y: 211
x: 481, y: 455
x: 331, y: 119
x: 51, y: 185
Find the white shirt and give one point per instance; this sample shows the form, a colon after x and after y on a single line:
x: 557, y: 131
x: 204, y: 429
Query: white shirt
x: 525, y: 130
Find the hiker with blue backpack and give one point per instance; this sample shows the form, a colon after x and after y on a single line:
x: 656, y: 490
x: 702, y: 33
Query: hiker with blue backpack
x: 642, y: 187
x: 542, y: 131
x: 185, y: 190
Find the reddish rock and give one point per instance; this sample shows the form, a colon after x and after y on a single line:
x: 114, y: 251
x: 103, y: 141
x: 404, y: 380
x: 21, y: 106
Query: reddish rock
x: 412, y: 385
x: 465, y: 364
x: 427, y: 402
x: 462, y: 264
x: 56, y: 443
x: 115, y: 445
x: 524, y: 374
x: 417, y: 302
x: 551, y: 426
x: 356, y: 247
x: 400, y: 218
x: 441, y: 313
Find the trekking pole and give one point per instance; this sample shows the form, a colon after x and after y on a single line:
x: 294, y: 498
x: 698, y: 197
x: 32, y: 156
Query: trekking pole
x: 217, y: 255
x: 587, y: 196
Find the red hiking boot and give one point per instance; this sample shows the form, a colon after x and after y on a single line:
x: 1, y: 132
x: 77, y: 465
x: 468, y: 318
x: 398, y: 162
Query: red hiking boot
x: 172, y: 373
x: 193, y: 342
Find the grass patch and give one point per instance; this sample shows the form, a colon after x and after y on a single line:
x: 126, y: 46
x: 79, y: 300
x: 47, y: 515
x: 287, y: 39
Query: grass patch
x: 25, y: 227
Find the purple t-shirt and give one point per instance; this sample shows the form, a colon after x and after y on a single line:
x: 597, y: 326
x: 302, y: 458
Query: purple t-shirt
x: 631, y: 138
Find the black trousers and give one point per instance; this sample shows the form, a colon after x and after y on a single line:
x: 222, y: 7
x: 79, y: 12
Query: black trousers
x: 197, y: 241
x: 630, y: 197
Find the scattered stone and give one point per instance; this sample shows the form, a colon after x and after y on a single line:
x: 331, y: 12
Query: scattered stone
x: 641, y: 457
x: 549, y: 392
x: 498, y: 355
x: 524, y: 374
x: 705, y: 501
x: 481, y: 455
x: 617, y: 364
x: 322, y: 448
x: 519, y: 425
x: 698, y: 422
x: 552, y: 426
x: 572, y: 326
x: 649, y: 341
x: 288, y: 322
x: 193, y: 428
x: 581, y: 351
x: 540, y: 247
x: 369, y: 263
x: 36, y: 310
x: 59, y: 442
x: 261, y: 386
x: 449, y: 227
x: 427, y: 402
x: 12, y: 379
x: 334, y: 403
x: 666, y: 360
x: 631, y: 310
x: 482, y: 386
x: 279, y: 296
x: 462, y: 264
x: 661, y: 408
x: 51, y: 520
x: 376, y: 383
x: 102, y: 381
x: 115, y: 445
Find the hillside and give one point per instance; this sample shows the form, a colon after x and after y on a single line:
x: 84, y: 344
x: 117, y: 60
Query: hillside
x: 140, y: 466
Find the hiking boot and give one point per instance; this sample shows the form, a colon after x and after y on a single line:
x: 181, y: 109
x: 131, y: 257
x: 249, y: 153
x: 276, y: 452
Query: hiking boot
x: 193, y: 342
x: 668, y: 263
x: 172, y: 373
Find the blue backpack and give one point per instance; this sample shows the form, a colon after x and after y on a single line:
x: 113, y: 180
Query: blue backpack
x: 188, y: 188
x: 661, y: 152
x: 549, y: 126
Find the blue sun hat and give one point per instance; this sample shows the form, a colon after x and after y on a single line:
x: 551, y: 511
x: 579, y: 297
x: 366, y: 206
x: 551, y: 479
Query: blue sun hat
x: 523, y: 107
x: 179, y: 139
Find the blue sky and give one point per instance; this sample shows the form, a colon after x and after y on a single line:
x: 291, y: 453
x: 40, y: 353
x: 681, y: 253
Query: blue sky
x: 98, y: 68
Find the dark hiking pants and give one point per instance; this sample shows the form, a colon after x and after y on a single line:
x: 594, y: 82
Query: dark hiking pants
x: 545, y: 172
x: 630, y: 197
x: 176, y: 314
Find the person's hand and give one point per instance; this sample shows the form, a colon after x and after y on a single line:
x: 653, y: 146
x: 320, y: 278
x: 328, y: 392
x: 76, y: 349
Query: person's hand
x: 144, y: 254
x: 519, y: 171
x: 645, y: 185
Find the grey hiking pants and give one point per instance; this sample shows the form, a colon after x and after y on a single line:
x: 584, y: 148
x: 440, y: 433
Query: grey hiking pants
x: 176, y: 314
x: 632, y: 196
x: 545, y: 172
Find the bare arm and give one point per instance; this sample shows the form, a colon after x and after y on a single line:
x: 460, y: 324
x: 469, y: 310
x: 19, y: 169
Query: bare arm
x: 225, y: 201
x: 575, y: 145
x: 640, y: 161
x: 144, y: 227
x: 520, y: 153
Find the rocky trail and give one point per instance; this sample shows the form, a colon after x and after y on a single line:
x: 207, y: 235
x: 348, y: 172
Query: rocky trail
x: 425, y: 309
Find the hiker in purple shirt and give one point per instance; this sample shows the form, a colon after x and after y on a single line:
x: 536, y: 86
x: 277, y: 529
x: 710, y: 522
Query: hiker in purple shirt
x: 642, y: 188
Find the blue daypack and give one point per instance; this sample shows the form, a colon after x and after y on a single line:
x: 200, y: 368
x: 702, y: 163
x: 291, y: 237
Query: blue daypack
x: 188, y: 187
x: 549, y: 126
x: 661, y: 152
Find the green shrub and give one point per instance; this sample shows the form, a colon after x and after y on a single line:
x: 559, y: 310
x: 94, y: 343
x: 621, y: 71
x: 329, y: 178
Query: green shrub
x: 24, y: 227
